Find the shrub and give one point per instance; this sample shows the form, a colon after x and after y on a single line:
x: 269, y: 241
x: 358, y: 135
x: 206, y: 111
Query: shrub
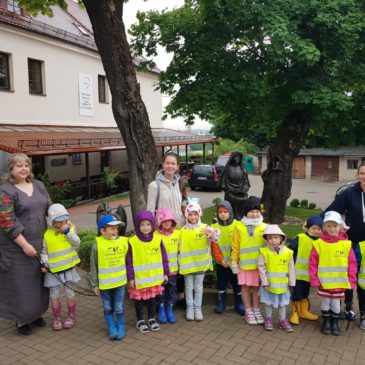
x: 312, y: 205
x: 304, y: 203
x: 295, y: 203
x: 87, y: 240
x: 216, y: 200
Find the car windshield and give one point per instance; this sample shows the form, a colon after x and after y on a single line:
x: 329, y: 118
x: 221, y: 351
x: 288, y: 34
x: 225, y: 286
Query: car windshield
x: 203, y: 170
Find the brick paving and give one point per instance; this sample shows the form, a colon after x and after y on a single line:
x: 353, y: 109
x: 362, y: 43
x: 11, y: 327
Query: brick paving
x: 219, y: 339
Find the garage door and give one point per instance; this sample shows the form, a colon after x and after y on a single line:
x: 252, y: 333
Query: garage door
x: 298, y: 169
x: 325, y: 168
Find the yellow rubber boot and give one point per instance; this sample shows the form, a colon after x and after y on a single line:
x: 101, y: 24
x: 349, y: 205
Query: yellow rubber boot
x: 294, y: 318
x: 304, y: 311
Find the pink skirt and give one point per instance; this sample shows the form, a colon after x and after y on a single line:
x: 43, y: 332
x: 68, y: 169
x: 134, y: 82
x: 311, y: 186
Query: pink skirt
x: 249, y: 277
x: 146, y: 293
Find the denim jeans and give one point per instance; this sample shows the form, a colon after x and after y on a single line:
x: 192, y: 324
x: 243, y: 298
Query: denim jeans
x: 194, y: 290
x: 113, y: 300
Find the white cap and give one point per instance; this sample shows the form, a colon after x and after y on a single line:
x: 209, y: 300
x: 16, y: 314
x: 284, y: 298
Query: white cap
x: 333, y: 217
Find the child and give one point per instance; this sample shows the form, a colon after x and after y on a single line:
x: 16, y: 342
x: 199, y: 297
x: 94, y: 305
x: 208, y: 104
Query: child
x: 332, y: 269
x: 194, y: 259
x: 170, y: 237
x: 361, y: 284
x: 60, y: 257
x: 221, y: 253
x: 246, y: 243
x: 147, y: 269
x: 277, y: 272
x: 302, y: 246
x: 108, y: 273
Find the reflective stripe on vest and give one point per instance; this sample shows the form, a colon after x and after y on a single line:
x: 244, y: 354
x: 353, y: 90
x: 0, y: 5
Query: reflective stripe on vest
x: 194, y: 253
x: 111, y: 262
x: 361, y: 274
x: 225, y: 239
x: 61, y: 254
x: 333, y: 263
x: 277, y: 265
x: 147, y: 262
x: 305, y: 245
x: 171, y: 244
x: 250, y: 246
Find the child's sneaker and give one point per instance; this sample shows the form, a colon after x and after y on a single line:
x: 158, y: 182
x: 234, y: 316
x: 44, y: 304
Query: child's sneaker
x: 259, y: 317
x: 362, y: 322
x: 198, y: 314
x: 285, y: 326
x: 142, y: 327
x: 268, y: 324
x: 153, y: 325
x: 250, y: 318
x: 190, y: 315
x: 350, y: 315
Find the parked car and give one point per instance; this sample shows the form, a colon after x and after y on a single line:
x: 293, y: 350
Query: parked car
x: 342, y: 188
x: 203, y: 176
x: 221, y: 162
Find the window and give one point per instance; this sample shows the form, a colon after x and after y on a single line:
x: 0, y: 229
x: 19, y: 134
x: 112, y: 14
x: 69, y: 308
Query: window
x: 352, y: 164
x: 76, y: 159
x: 13, y: 6
x: 103, y: 89
x: 4, y: 72
x: 57, y: 162
x: 35, y: 76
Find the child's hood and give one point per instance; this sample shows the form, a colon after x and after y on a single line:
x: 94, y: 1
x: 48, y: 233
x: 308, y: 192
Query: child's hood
x: 56, y: 211
x: 274, y: 229
x: 164, y: 214
x: 144, y: 215
x: 193, y: 207
x: 227, y: 205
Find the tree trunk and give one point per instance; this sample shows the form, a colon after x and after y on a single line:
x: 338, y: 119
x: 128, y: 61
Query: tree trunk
x: 277, y: 177
x: 129, y: 111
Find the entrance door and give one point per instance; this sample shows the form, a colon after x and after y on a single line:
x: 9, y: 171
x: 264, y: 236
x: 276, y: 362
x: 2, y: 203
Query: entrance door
x: 298, y: 169
x: 325, y: 168
x: 38, y: 165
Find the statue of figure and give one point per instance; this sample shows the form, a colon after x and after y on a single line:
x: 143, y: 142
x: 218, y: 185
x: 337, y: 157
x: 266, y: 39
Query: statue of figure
x: 235, y: 184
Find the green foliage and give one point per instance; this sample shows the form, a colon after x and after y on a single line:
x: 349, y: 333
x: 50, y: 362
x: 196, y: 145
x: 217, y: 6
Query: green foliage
x: 227, y: 145
x: 216, y: 200
x: 87, y: 240
x: 110, y: 177
x: 295, y: 203
x: 42, y: 6
x: 291, y: 231
x: 312, y: 205
x: 209, y: 214
x: 304, y: 203
x: 301, y: 213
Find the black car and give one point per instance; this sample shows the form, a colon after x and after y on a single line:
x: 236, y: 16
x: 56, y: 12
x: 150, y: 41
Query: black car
x: 204, y: 176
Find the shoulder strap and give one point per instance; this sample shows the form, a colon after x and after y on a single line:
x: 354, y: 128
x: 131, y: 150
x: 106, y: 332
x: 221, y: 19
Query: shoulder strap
x: 158, y: 194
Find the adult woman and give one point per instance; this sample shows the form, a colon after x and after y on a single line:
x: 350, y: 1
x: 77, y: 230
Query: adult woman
x: 23, y: 206
x: 164, y: 191
x: 351, y: 202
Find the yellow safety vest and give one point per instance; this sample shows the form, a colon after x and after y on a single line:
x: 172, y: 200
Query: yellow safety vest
x: 111, y: 262
x: 333, y: 263
x: 194, y: 255
x: 61, y: 254
x: 277, y: 265
x: 361, y: 274
x: 305, y: 245
x: 147, y: 262
x: 225, y: 239
x: 250, y: 246
x: 171, y: 244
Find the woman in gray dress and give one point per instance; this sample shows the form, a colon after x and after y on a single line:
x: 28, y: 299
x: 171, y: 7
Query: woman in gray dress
x: 23, y: 206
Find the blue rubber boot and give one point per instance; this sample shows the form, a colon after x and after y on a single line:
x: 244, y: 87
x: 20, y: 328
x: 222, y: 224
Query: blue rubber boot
x: 120, y: 321
x: 221, y: 304
x: 110, y: 323
x: 162, y: 314
x: 238, y: 305
x: 171, y: 318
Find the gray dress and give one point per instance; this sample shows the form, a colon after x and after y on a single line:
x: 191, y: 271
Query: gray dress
x: 23, y: 298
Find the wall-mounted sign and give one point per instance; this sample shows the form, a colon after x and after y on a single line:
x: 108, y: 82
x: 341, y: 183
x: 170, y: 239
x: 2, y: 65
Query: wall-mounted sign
x: 86, y: 95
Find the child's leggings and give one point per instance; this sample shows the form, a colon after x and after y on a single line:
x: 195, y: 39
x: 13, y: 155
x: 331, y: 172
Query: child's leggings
x: 282, y: 312
x: 138, y: 304
x: 54, y: 292
x: 333, y: 304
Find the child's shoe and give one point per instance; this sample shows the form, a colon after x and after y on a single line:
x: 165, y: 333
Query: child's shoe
x: 335, y: 329
x: 362, y: 322
x: 294, y: 318
x: 120, y: 322
x: 304, y: 311
x: 198, y: 314
x: 238, y: 305
x: 268, y: 324
x: 221, y: 303
x: 110, y: 323
x: 153, y: 325
x: 349, y: 315
x: 71, y: 317
x: 259, y: 318
x: 142, y: 327
x: 190, y: 315
x: 285, y: 326
x: 250, y: 318
x: 56, y: 324
x: 171, y: 318
x: 162, y: 314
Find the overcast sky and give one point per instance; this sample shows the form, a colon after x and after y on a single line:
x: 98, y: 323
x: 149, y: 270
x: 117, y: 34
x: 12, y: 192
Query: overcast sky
x: 163, y: 59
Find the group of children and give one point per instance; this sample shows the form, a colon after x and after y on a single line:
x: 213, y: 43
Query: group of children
x: 251, y: 255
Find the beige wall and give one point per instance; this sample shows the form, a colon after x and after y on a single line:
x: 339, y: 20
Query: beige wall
x: 345, y: 174
x: 62, y: 64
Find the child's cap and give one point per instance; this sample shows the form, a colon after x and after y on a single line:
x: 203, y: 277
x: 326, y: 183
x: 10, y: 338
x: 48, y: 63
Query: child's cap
x: 61, y: 218
x: 109, y: 220
x: 274, y: 229
x: 332, y: 216
x: 251, y: 203
x: 314, y: 220
x: 57, y: 213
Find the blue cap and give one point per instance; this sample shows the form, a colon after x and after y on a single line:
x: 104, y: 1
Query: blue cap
x: 109, y: 220
x: 314, y: 220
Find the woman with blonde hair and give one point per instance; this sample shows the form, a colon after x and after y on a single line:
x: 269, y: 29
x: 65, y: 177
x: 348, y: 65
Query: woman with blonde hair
x: 23, y: 206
